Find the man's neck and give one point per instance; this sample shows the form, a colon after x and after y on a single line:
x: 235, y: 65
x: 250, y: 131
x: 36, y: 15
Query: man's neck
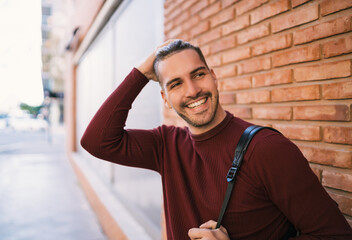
x: 219, y: 117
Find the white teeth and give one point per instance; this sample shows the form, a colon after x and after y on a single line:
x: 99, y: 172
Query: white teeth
x: 198, y: 103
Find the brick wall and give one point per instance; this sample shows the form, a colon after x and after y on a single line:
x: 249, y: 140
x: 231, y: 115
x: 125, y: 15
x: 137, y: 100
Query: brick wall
x: 282, y: 63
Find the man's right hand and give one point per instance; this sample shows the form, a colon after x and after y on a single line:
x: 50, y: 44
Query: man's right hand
x: 147, y: 66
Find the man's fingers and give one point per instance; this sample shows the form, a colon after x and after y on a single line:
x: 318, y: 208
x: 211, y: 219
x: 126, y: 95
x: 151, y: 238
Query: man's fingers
x: 195, y: 233
x: 205, y: 233
x: 201, y: 233
x: 211, y: 224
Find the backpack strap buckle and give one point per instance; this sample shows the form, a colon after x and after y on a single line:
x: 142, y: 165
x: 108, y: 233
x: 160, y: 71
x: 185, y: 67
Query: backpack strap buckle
x: 231, y: 174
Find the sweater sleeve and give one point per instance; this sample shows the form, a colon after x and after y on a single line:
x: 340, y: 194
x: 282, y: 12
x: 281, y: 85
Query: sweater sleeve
x: 296, y: 191
x: 106, y: 138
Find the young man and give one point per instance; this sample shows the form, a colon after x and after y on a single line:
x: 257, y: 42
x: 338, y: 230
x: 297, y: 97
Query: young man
x: 274, y: 187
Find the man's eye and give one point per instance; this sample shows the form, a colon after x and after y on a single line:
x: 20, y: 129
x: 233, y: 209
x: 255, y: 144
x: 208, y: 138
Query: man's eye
x: 174, y: 85
x: 198, y: 75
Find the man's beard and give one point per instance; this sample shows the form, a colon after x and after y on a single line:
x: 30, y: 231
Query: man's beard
x: 202, y: 124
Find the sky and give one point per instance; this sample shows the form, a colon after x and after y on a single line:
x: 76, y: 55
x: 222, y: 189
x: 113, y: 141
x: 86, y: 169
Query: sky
x: 20, y: 53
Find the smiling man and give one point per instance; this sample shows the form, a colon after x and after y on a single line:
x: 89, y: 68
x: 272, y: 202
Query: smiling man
x: 190, y: 88
x: 274, y: 189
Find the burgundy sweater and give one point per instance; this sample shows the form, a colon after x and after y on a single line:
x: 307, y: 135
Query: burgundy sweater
x: 275, y: 184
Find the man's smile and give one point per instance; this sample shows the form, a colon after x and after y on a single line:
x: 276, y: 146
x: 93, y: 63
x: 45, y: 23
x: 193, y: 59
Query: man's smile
x: 197, y: 103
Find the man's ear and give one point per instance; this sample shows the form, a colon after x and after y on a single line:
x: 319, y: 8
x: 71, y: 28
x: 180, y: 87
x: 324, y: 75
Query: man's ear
x: 214, y: 76
x: 166, y: 102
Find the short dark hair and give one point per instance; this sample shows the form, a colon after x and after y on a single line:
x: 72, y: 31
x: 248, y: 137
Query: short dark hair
x: 175, y: 47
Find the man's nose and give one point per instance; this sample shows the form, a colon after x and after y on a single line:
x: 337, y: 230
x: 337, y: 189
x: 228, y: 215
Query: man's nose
x: 192, y: 89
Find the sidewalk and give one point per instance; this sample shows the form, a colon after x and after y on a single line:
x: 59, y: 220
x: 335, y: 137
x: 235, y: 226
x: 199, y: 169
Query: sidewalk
x: 40, y: 197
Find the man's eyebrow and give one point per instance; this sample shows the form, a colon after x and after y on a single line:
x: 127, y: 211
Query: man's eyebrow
x: 192, y: 72
x: 197, y: 69
x: 172, y: 81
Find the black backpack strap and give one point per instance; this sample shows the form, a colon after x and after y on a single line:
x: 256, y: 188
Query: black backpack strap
x: 240, y: 151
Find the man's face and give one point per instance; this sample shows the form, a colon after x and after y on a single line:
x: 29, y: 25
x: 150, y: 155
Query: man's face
x: 190, y: 88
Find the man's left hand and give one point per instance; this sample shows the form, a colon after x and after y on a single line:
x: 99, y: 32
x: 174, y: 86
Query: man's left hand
x: 208, y: 231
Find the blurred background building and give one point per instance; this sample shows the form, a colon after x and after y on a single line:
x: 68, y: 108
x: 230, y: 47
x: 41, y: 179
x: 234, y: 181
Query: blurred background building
x: 55, y: 16
x: 280, y: 63
x: 40, y: 195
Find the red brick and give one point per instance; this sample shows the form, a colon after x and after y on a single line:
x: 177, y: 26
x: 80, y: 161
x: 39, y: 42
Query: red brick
x: 236, y: 54
x: 191, y: 22
x: 295, y: 18
x: 175, y: 32
x: 328, y: 156
x: 226, y: 71
x: 245, y: 6
x: 205, y: 50
x: 296, y: 3
x: 198, y: 6
x: 344, y: 202
x: 253, y: 97
x: 334, y: 134
x: 323, y: 71
x: 167, y: 3
x: 295, y: 93
x: 214, y: 61
x: 340, y: 90
x: 322, y: 30
x: 223, y: 44
x: 226, y: 3
x: 181, y: 18
x: 184, y: 35
x: 253, y: 33
x: 235, y: 25
x: 210, y: 10
x: 261, y: 123
x: 269, y: 10
x: 235, y: 84
x: 273, y: 44
x: 337, y: 180
x: 169, y: 6
x: 241, y: 112
x: 272, y: 78
x: 254, y: 65
x: 297, y: 55
x: 187, y: 4
x: 331, y: 6
x: 317, y: 172
x: 349, y: 221
x: 299, y: 132
x: 273, y: 112
x: 322, y: 112
x: 222, y: 17
x: 337, y: 47
x: 195, y: 42
x: 172, y: 14
x: 227, y: 98
x: 168, y: 26
x: 210, y: 36
x: 199, y: 28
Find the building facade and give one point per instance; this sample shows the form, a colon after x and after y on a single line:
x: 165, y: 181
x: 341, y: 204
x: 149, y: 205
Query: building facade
x: 280, y: 63
x: 54, y: 21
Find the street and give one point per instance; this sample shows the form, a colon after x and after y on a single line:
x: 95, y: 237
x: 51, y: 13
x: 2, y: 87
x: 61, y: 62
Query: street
x: 40, y: 197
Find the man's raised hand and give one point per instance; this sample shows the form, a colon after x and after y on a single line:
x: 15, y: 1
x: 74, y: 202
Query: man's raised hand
x: 147, y: 66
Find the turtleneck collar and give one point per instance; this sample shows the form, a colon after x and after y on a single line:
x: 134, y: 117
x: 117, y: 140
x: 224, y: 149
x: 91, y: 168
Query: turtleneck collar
x: 214, y: 131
